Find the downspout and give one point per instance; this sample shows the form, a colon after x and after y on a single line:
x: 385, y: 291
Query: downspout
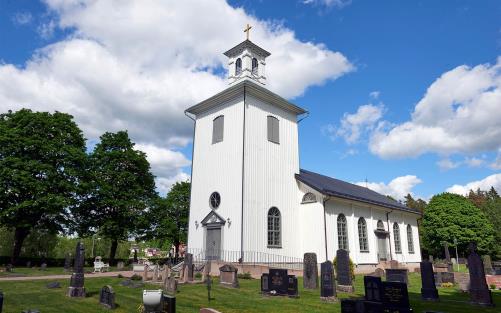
x: 243, y: 176
x: 191, y: 171
x: 325, y: 199
x: 389, y: 232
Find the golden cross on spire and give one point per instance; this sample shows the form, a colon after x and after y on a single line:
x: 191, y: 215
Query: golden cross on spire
x: 247, y: 30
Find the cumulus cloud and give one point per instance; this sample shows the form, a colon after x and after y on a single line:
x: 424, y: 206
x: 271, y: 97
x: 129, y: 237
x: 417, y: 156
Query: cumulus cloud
x: 354, y: 125
x: 458, y: 114
x: 398, y: 188
x: 447, y: 164
x: 484, y: 184
x: 137, y: 65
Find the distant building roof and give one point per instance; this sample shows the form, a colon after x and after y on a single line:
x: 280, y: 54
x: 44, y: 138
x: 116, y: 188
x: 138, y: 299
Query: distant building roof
x: 338, y: 188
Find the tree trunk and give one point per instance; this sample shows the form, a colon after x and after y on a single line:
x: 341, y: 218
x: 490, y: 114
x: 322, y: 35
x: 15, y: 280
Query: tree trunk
x: 176, y: 245
x: 113, y: 251
x: 19, y: 235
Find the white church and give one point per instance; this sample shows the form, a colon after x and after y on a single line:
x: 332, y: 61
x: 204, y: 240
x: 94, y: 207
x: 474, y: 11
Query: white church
x: 251, y: 200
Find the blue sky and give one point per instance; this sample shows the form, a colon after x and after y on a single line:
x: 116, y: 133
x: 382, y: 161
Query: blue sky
x: 112, y: 70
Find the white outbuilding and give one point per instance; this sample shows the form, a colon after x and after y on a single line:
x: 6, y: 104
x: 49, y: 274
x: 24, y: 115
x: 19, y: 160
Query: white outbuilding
x: 250, y: 201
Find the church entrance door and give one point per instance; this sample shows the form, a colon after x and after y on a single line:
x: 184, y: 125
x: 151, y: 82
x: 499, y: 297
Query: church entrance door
x: 213, y: 243
x: 382, y: 248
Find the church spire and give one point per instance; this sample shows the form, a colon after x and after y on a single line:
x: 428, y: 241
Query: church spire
x: 246, y: 61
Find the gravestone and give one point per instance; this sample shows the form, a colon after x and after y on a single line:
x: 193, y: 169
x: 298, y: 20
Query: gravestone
x: 107, y: 297
x: 372, y: 286
x: 488, y: 265
x: 446, y: 277
x: 395, y: 297
x: 28, y: 264
x: 430, y: 258
x: 208, y: 283
x: 166, y: 273
x: 448, y: 257
x: 67, y: 262
x: 278, y: 281
x: 265, y: 282
x: 120, y: 266
x: 170, y: 285
x: 134, y: 260
x: 8, y: 268
x: 292, y: 290
x: 188, y: 265
x: 43, y: 267
x: 343, y: 273
x: 352, y: 306
x: 454, y: 261
x: 379, y: 272
x: 399, y: 275
x: 440, y: 267
x: 76, y: 288
x: 169, y: 303
x: 53, y: 285
x: 206, y: 272
x: 310, y: 271
x: 463, y: 281
x: 327, y: 283
x: 479, y: 292
x: 145, y: 272
x: 228, y: 276
x: 428, y: 289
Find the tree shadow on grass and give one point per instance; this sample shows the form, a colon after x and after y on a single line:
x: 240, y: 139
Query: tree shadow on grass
x: 452, y: 300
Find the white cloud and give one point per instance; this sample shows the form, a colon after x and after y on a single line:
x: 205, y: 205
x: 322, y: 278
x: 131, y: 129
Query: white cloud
x: 375, y: 94
x: 356, y: 124
x: 474, y: 162
x: 329, y: 3
x: 458, y: 114
x: 484, y: 184
x: 496, y: 165
x: 398, y: 188
x: 447, y: 164
x: 137, y: 65
x: 22, y: 18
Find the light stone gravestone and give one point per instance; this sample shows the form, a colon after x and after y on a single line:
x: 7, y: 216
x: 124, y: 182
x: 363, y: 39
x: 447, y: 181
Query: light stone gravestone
x: 43, y: 267
x: 479, y: 291
x: 170, y: 285
x: 145, y: 272
x: 188, y: 265
x: 343, y: 273
x: 310, y: 271
x: 107, y: 297
x: 428, y: 289
x: 77, y: 288
x: 155, y: 274
x: 448, y: 257
x: 488, y: 265
x: 120, y: 266
x: 463, y: 281
x: 228, y: 276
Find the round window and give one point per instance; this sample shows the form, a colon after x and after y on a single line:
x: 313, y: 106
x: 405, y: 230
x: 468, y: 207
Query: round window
x: 214, y: 200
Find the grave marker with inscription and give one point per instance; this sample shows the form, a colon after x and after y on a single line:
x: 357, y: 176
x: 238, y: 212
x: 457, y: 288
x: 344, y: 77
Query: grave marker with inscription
x: 428, y: 289
x: 228, y: 276
x: 479, y: 292
x: 107, y: 297
x: 188, y: 267
x: 310, y: 271
x: 343, y: 273
x: 399, y: 275
x: 278, y: 281
x: 395, y: 297
x: 373, y: 288
x: 77, y: 288
x: 292, y: 290
x: 327, y: 283
x: 488, y: 265
x: 265, y: 282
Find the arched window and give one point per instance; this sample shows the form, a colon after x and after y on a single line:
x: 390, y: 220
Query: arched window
x: 396, y: 238
x: 380, y: 225
x: 309, y: 198
x: 218, y: 129
x: 342, y: 232
x: 273, y: 129
x: 410, y: 240
x: 274, y: 237
x: 254, y: 66
x: 362, y: 235
x: 238, y: 67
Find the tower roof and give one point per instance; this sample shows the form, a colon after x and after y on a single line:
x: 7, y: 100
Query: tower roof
x: 246, y: 44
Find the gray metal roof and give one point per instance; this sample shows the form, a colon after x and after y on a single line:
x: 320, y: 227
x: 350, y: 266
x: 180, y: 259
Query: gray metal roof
x: 341, y: 189
x: 246, y: 44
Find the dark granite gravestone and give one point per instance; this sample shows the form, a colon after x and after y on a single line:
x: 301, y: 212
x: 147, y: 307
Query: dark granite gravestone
x: 343, y: 273
x: 488, y: 265
x: 448, y: 257
x: 310, y: 271
x: 479, y: 292
x: 292, y: 290
x: 53, y: 285
x: 107, y: 297
x: 265, y: 282
x: 373, y: 307
x: 76, y: 288
x: 8, y: 268
x: 352, y: 306
x: 400, y: 275
x: 188, y: 267
x: 67, y: 262
x: 327, y: 283
x: 278, y: 281
x: 169, y: 303
x: 134, y: 260
x: 228, y: 276
x: 395, y: 297
x: 372, y: 286
x: 428, y: 289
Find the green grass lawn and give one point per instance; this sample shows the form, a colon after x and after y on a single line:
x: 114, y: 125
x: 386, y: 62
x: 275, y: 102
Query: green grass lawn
x: 33, y: 294
x: 27, y: 271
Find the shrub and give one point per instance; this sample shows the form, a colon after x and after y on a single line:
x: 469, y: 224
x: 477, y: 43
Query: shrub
x: 446, y: 285
x: 492, y: 286
x: 198, y: 275
x: 246, y: 275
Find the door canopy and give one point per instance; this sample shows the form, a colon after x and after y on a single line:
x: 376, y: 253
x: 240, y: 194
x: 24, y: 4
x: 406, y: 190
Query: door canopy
x: 213, y: 219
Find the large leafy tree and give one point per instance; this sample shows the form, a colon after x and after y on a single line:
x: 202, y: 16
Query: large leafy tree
x: 490, y: 203
x: 121, y: 192
x: 169, y: 218
x: 450, y: 216
x: 42, y: 156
